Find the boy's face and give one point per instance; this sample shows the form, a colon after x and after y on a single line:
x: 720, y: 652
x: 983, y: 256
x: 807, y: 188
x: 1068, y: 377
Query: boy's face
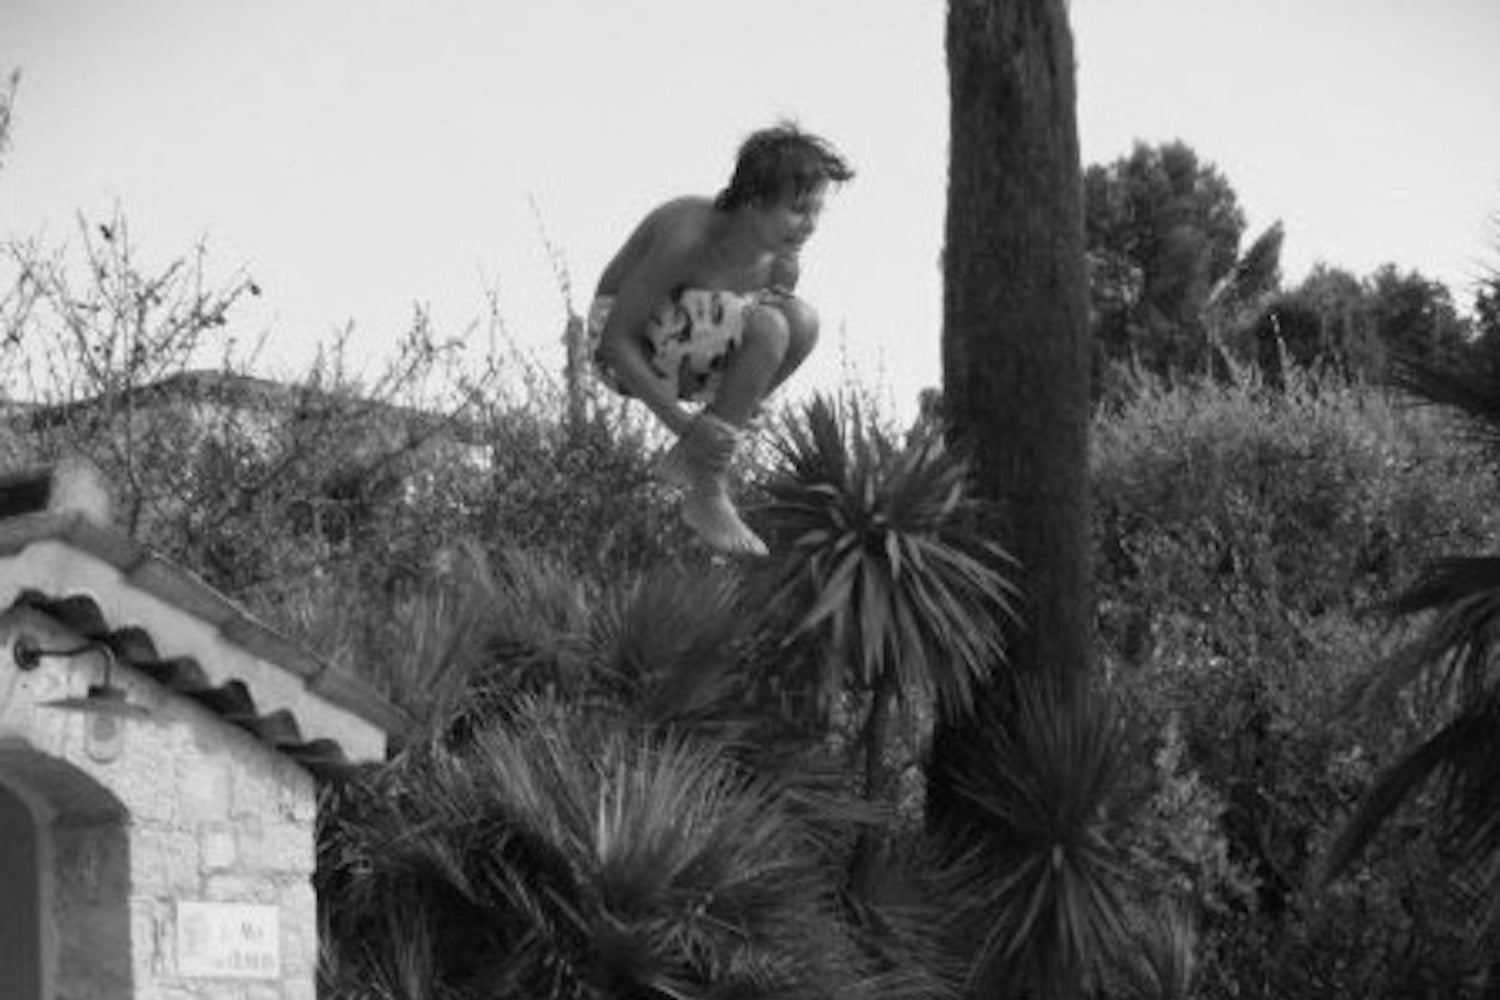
x: 785, y: 223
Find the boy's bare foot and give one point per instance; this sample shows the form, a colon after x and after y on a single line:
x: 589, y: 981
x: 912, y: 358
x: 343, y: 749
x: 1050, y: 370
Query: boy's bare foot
x: 709, y: 512
x: 699, y: 464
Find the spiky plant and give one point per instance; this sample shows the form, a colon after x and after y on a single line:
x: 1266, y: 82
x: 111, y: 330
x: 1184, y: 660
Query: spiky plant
x: 669, y: 647
x: 1453, y: 659
x: 554, y: 857
x: 484, y: 631
x: 678, y: 651
x: 883, y: 568
x: 1041, y: 876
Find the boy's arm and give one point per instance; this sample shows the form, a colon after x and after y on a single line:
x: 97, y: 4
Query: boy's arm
x: 639, y: 296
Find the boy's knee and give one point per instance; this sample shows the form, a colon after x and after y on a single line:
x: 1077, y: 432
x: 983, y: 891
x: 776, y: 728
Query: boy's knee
x: 801, y: 317
x: 802, y: 324
x: 767, y: 327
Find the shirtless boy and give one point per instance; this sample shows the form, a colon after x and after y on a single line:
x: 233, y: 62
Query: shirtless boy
x: 698, y: 306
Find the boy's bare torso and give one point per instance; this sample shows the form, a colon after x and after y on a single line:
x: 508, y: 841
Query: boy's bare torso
x: 681, y: 240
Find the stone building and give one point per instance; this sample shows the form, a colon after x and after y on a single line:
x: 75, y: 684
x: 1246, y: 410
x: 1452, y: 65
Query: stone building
x: 159, y: 754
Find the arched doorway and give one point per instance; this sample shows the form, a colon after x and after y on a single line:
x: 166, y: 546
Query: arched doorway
x: 20, y: 901
x: 64, y: 881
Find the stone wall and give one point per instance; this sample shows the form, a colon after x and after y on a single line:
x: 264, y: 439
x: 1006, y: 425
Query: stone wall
x: 164, y: 870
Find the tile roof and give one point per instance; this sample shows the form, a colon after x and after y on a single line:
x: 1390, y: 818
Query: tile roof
x: 29, y: 514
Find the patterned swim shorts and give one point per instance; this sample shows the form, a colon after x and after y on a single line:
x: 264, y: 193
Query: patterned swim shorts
x: 688, y: 341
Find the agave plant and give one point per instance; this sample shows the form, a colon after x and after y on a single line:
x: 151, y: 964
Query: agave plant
x: 554, y: 857
x: 1453, y: 656
x: 1040, y: 876
x: 884, y: 569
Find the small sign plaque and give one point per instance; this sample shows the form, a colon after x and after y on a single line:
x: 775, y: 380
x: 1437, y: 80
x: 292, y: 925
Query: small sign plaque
x: 228, y: 941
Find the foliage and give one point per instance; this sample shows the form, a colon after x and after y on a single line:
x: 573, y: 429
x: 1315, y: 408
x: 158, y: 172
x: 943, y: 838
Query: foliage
x: 884, y: 592
x: 1351, y: 327
x: 1173, y: 295
x: 552, y: 857
x: 881, y: 549
x: 1414, y: 316
x: 560, y: 673
x: 598, y: 796
x: 291, y: 496
x: 1164, y: 232
x: 1487, y: 307
x: 1245, y: 539
x: 1042, y: 874
x: 1450, y: 662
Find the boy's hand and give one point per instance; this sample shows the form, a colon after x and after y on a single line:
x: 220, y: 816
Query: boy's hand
x: 776, y: 294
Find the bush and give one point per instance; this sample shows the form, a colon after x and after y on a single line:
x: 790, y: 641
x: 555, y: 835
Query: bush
x: 1244, y: 542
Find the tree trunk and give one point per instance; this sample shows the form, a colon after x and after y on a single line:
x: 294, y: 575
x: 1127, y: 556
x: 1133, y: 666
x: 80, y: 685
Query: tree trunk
x: 1015, y: 320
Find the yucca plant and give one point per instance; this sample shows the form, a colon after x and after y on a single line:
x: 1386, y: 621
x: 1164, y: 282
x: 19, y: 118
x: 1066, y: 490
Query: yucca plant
x: 1040, y: 875
x: 1452, y: 660
x: 882, y: 573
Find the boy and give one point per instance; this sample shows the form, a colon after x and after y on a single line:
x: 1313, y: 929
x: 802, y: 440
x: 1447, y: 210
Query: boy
x: 698, y: 306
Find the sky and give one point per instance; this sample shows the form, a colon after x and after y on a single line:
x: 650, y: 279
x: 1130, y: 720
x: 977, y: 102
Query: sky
x: 361, y: 158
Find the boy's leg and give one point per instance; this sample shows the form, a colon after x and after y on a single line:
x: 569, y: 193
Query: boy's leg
x: 802, y: 330
x: 700, y: 461
x: 753, y: 368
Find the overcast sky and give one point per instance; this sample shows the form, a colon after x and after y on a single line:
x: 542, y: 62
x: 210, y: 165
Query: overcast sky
x: 361, y: 156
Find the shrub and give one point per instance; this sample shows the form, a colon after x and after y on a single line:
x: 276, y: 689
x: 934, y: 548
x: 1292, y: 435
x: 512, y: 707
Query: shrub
x: 1244, y: 542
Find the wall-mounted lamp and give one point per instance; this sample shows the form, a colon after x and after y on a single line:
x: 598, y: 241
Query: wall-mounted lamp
x: 106, y: 706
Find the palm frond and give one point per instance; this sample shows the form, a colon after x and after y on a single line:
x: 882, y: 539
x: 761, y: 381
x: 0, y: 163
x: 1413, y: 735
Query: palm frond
x: 669, y: 649
x: 1452, y: 581
x: 1454, y: 647
x: 1472, y: 391
x: 1464, y: 757
x: 490, y: 632
x: 619, y: 860
x: 904, y: 923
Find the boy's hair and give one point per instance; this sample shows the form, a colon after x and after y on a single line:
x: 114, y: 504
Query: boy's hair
x: 778, y: 160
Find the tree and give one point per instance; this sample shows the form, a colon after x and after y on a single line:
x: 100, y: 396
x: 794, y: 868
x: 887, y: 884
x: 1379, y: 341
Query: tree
x: 1015, y: 329
x: 1163, y: 230
x: 1487, y: 298
x: 1487, y: 307
x: 1323, y: 321
x: 1337, y: 322
x: 1413, y: 316
x: 1016, y: 387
